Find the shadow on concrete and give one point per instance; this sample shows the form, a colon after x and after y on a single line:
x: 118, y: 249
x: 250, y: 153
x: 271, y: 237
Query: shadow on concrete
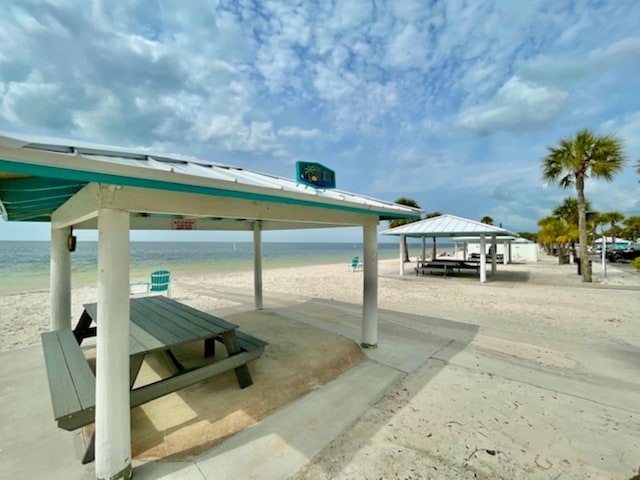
x: 298, y: 430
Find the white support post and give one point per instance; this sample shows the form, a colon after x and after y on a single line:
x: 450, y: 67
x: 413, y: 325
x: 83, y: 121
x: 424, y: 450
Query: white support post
x: 257, y: 265
x: 483, y: 259
x: 506, y: 252
x: 113, y: 424
x: 494, y: 254
x: 370, y: 296
x: 401, y: 255
x: 424, y: 247
x: 60, y: 280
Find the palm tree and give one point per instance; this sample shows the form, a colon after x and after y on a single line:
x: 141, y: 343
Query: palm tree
x: 612, y: 218
x: 486, y: 219
x: 409, y: 202
x: 574, y: 160
x: 568, y: 211
x: 632, y: 227
x: 556, y: 234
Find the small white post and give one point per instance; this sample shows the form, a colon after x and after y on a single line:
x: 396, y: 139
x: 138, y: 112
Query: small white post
x: 483, y: 259
x: 604, y: 255
x: 257, y: 264
x: 401, y: 255
x: 370, y: 295
x: 113, y: 424
x: 506, y: 253
x: 60, y: 280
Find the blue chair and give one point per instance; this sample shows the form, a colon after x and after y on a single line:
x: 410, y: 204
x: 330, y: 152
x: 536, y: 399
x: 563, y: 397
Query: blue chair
x: 160, y: 282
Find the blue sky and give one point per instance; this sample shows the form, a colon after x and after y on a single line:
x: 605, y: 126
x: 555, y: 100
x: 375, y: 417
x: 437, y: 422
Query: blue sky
x: 450, y: 103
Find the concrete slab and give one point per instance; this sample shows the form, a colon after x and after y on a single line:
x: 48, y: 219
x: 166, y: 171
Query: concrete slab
x: 284, y: 442
x: 31, y: 445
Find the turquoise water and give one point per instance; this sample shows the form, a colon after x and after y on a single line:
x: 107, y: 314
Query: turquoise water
x: 24, y: 266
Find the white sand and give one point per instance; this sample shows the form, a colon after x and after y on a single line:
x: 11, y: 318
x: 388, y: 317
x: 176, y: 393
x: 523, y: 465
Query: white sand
x: 460, y: 417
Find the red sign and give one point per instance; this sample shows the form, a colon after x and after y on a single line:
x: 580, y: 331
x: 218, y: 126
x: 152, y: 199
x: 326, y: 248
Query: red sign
x: 184, y: 224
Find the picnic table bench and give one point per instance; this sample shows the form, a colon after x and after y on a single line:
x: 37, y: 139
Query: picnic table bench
x: 158, y: 324
x: 447, y: 266
x: 476, y: 256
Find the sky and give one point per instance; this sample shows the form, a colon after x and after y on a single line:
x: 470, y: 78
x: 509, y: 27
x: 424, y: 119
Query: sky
x: 450, y: 103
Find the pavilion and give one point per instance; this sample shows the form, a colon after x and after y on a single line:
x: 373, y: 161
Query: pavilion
x: 114, y: 190
x: 451, y: 226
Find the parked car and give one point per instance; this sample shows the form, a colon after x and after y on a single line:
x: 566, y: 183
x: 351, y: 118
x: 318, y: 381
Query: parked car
x: 623, y: 254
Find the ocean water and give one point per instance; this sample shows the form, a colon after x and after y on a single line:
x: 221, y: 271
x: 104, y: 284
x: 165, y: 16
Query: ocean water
x: 24, y: 266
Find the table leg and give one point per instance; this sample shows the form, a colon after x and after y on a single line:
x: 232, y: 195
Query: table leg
x: 135, y: 362
x: 209, y: 347
x: 82, y: 328
x: 233, y: 347
x: 90, y: 452
x: 176, y: 363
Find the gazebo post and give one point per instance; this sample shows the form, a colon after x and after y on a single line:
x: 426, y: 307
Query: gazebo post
x: 401, y: 255
x: 424, y: 247
x: 483, y: 258
x: 494, y: 254
x: 506, y: 252
x: 257, y: 265
x: 370, y: 294
x: 60, y: 280
x: 113, y: 424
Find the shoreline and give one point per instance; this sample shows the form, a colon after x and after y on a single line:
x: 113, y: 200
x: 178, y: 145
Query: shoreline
x: 540, y: 294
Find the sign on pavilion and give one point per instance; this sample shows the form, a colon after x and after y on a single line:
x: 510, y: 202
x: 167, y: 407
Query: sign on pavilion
x: 315, y: 175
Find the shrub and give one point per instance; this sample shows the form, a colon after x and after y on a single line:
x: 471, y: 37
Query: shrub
x: 636, y: 263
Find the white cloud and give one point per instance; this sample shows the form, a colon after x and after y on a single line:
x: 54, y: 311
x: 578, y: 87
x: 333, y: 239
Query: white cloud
x: 408, y: 48
x: 517, y: 106
x: 627, y: 128
x: 296, y: 132
x: 376, y: 87
x: 570, y: 69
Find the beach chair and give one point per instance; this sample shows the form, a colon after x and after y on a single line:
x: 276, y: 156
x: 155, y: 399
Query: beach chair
x: 160, y: 282
x: 355, y: 264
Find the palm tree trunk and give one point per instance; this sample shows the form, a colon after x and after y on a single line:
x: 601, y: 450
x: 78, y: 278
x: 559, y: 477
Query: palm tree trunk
x: 405, y: 249
x: 582, y: 229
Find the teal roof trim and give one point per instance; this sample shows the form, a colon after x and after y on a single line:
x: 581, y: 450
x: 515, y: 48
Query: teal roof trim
x: 89, y: 177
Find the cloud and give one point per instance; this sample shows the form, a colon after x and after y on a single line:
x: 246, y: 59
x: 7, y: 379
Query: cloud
x: 517, y: 106
x: 627, y: 128
x: 296, y: 132
x: 387, y: 91
x: 565, y: 70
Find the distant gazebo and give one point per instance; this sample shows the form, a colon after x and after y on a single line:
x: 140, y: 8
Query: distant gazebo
x: 451, y: 226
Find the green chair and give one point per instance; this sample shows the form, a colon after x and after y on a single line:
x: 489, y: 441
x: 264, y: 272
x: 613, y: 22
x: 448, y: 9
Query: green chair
x: 160, y: 282
x: 355, y: 264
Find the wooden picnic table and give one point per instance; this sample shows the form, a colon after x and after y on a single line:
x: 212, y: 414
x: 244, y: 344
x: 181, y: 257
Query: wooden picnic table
x: 158, y: 325
x: 447, y: 265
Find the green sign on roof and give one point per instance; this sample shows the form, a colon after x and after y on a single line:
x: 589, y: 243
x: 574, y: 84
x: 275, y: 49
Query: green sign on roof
x: 315, y: 175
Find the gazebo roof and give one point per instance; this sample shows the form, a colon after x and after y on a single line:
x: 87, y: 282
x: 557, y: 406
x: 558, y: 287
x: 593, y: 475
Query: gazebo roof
x: 38, y: 176
x: 448, y: 226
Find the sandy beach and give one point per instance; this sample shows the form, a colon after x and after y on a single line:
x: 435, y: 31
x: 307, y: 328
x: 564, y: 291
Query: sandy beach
x: 470, y: 410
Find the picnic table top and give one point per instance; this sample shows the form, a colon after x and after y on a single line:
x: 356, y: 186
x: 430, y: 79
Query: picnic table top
x: 158, y: 323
